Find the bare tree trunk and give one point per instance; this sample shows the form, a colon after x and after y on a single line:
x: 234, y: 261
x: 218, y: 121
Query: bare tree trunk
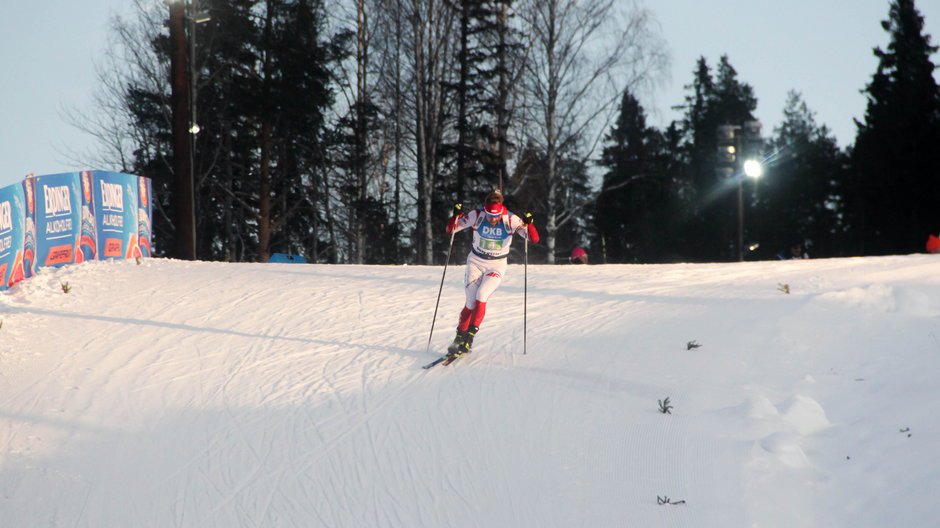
x: 397, y: 135
x: 265, y: 198
x: 390, y: 32
x: 503, y: 113
x: 360, y: 143
x: 463, y: 136
x: 333, y: 252
x: 424, y: 240
x: 431, y: 25
x: 551, y: 131
x: 392, y: 22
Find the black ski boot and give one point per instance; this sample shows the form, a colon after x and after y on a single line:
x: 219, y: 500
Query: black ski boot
x: 467, y: 342
x: 463, y: 341
x: 458, y: 341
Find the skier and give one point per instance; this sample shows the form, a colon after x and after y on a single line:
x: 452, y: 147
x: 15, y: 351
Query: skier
x: 493, y: 227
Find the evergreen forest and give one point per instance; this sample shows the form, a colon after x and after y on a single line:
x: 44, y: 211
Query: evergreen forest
x: 344, y: 131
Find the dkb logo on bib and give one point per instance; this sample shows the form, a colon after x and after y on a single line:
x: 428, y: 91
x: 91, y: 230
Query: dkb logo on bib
x: 492, y: 232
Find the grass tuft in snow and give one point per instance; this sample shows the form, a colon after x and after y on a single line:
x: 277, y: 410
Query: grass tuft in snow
x: 664, y: 406
x: 666, y: 500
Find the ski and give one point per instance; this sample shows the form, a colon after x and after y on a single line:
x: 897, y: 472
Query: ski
x: 445, y: 360
x: 435, y: 363
x: 450, y: 358
x: 453, y: 352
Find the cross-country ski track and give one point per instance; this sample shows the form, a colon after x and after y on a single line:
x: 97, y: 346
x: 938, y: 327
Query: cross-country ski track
x: 196, y: 394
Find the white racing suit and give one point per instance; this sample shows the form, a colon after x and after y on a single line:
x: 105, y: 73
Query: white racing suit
x: 486, y: 263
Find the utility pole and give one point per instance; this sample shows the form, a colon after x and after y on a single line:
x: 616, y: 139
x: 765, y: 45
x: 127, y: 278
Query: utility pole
x: 184, y: 195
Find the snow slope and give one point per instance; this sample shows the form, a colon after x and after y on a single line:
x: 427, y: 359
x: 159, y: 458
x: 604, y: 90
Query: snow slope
x: 196, y: 394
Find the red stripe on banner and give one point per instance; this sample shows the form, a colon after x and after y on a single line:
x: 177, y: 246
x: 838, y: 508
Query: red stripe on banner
x: 133, y: 251
x: 59, y: 255
x: 112, y: 247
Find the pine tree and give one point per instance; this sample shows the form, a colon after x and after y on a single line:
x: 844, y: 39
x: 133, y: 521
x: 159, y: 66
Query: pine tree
x: 715, y: 101
x: 263, y: 90
x: 734, y: 105
x: 800, y: 193
x: 896, y: 161
x: 636, y: 206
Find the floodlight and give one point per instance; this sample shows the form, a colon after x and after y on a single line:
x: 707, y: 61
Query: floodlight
x: 753, y: 168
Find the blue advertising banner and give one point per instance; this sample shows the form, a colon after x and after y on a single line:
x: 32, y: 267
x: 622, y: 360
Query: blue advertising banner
x: 88, y: 235
x: 58, y: 217
x: 29, y: 227
x: 115, y: 196
x: 144, y: 216
x: 12, y: 209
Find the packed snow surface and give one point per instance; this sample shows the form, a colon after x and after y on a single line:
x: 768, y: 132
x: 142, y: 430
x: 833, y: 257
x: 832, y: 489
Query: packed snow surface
x: 196, y: 394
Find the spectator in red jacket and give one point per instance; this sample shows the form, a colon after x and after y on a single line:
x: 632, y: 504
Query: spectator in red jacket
x: 578, y: 256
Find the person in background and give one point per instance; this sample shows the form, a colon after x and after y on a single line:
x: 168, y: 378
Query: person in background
x: 933, y: 244
x: 493, y: 227
x: 578, y: 256
x: 795, y: 251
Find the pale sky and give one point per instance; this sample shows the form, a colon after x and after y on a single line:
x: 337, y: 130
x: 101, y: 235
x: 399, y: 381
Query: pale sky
x: 821, y: 48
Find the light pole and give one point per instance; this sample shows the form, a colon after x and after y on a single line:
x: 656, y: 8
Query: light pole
x: 195, y: 17
x: 180, y: 92
x: 752, y: 169
x: 184, y: 127
x: 734, y: 149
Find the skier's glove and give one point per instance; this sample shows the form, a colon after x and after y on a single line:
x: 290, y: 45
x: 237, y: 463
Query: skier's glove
x: 458, y: 209
x: 527, y: 218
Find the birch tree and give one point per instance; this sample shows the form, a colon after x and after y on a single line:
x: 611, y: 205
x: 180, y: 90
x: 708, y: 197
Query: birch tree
x: 430, y: 55
x: 583, y: 54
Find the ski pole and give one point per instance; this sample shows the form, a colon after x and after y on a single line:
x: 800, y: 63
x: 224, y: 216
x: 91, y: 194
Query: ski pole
x: 525, y: 291
x: 439, y: 290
